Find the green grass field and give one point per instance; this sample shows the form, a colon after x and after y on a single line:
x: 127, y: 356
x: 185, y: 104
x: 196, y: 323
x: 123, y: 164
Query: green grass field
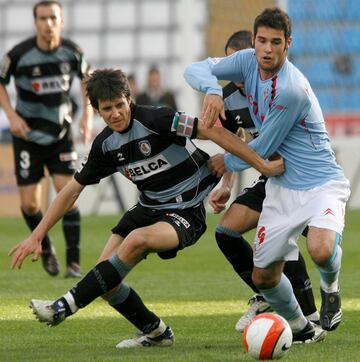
x: 198, y: 294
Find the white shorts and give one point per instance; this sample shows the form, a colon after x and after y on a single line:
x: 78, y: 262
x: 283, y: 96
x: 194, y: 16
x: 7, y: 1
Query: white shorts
x: 287, y: 212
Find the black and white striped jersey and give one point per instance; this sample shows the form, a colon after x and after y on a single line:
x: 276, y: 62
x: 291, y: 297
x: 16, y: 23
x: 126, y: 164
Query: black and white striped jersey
x: 43, y: 81
x: 237, y: 111
x: 169, y: 170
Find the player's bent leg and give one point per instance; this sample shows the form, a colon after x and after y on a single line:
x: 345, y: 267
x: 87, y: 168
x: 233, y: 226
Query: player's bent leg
x: 277, y: 291
x: 108, y: 274
x: 329, y: 263
x: 158, y: 237
x: 103, y: 278
x: 237, y: 251
x: 238, y: 219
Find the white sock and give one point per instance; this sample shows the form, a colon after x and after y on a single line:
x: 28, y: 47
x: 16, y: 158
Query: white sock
x: 158, y: 331
x: 329, y: 288
x: 313, y: 317
x: 71, y: 302
x: 298, y: 324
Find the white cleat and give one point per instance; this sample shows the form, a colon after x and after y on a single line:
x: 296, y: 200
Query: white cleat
x: 47, y: 311
x: 166, y: 339
x: 258, y: 305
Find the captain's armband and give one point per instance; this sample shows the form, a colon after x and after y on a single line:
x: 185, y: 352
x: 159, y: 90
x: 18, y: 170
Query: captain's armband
x: 184, y: 125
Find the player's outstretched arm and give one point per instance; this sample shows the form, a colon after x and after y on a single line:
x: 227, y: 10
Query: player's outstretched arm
x: 237, y: 147
x: 32, y: 245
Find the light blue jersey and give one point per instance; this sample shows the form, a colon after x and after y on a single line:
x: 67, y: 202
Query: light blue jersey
x: 286, y: 113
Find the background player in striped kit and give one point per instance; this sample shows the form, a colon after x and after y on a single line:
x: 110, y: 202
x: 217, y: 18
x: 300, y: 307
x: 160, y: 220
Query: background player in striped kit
x: 152, y: 147
x: 243, y: 214
x: 44, y: 67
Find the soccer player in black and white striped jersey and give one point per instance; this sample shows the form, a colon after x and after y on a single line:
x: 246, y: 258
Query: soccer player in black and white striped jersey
x: 43, y: 68
x: 152, y: 147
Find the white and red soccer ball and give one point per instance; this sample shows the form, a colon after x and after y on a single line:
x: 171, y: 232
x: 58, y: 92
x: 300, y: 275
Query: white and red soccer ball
x: 267, y: 336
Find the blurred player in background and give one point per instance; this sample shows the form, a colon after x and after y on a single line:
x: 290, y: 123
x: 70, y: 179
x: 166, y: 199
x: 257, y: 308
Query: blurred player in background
x: 313, y: 189
x: 43, y: 67
x: 133, y: 86
x: 244, y: 212
x: 152, y: 147
x: 155, y: 94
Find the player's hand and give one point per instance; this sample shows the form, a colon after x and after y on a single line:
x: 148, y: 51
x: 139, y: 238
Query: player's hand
x: 18, y: 126
x: 213, y: 105
x: 275, y: 167
x: 216, y: 165
x: 218, y: 198
x: 85, y: 127
x: 19, y: 252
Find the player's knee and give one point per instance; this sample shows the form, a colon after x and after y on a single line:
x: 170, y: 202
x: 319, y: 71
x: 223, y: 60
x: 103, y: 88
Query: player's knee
x: 321, y: 253
x: 138, y: 242
x: 264, y: 279
x: 30, y: 207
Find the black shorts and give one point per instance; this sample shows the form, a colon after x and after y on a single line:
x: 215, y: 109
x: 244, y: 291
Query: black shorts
x: 253, y: 196
x: 188, y: 223
x: 31, y: 159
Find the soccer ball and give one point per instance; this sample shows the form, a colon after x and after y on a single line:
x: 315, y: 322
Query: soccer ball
x: 267, y: 336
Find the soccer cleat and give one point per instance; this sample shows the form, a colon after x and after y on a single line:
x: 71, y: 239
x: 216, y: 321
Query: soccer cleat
x: 258, y: 305
x: 50, y: 262
x: 312, y: 333
x: 46, y: 311
x: 330, y: 312
x: 306, y: 334
x: 166, y: 339
x: 73, y: 271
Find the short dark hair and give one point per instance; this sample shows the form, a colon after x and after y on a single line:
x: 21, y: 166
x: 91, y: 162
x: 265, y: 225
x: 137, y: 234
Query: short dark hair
x: 131, y: 77
x: 153, y: 70
x: 239, y: 40
x: 105, y: 84
x: 46, y: 3
x: 274, y: 18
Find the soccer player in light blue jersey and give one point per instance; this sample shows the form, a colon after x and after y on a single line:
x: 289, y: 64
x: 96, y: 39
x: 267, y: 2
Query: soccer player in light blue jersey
x: 244, y: 212
x: 313, y: 189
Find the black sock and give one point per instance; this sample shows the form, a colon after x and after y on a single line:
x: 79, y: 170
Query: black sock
x: 32, y: 221
x: 135, y: 311
x: 71, y: 229
x: 240, y: 254
x: 101, y: 279
x: 300, y: 281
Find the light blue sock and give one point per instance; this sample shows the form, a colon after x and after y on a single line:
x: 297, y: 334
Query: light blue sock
x: 283, y: 301
x: 120, y: 295
x: 329, y: 273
